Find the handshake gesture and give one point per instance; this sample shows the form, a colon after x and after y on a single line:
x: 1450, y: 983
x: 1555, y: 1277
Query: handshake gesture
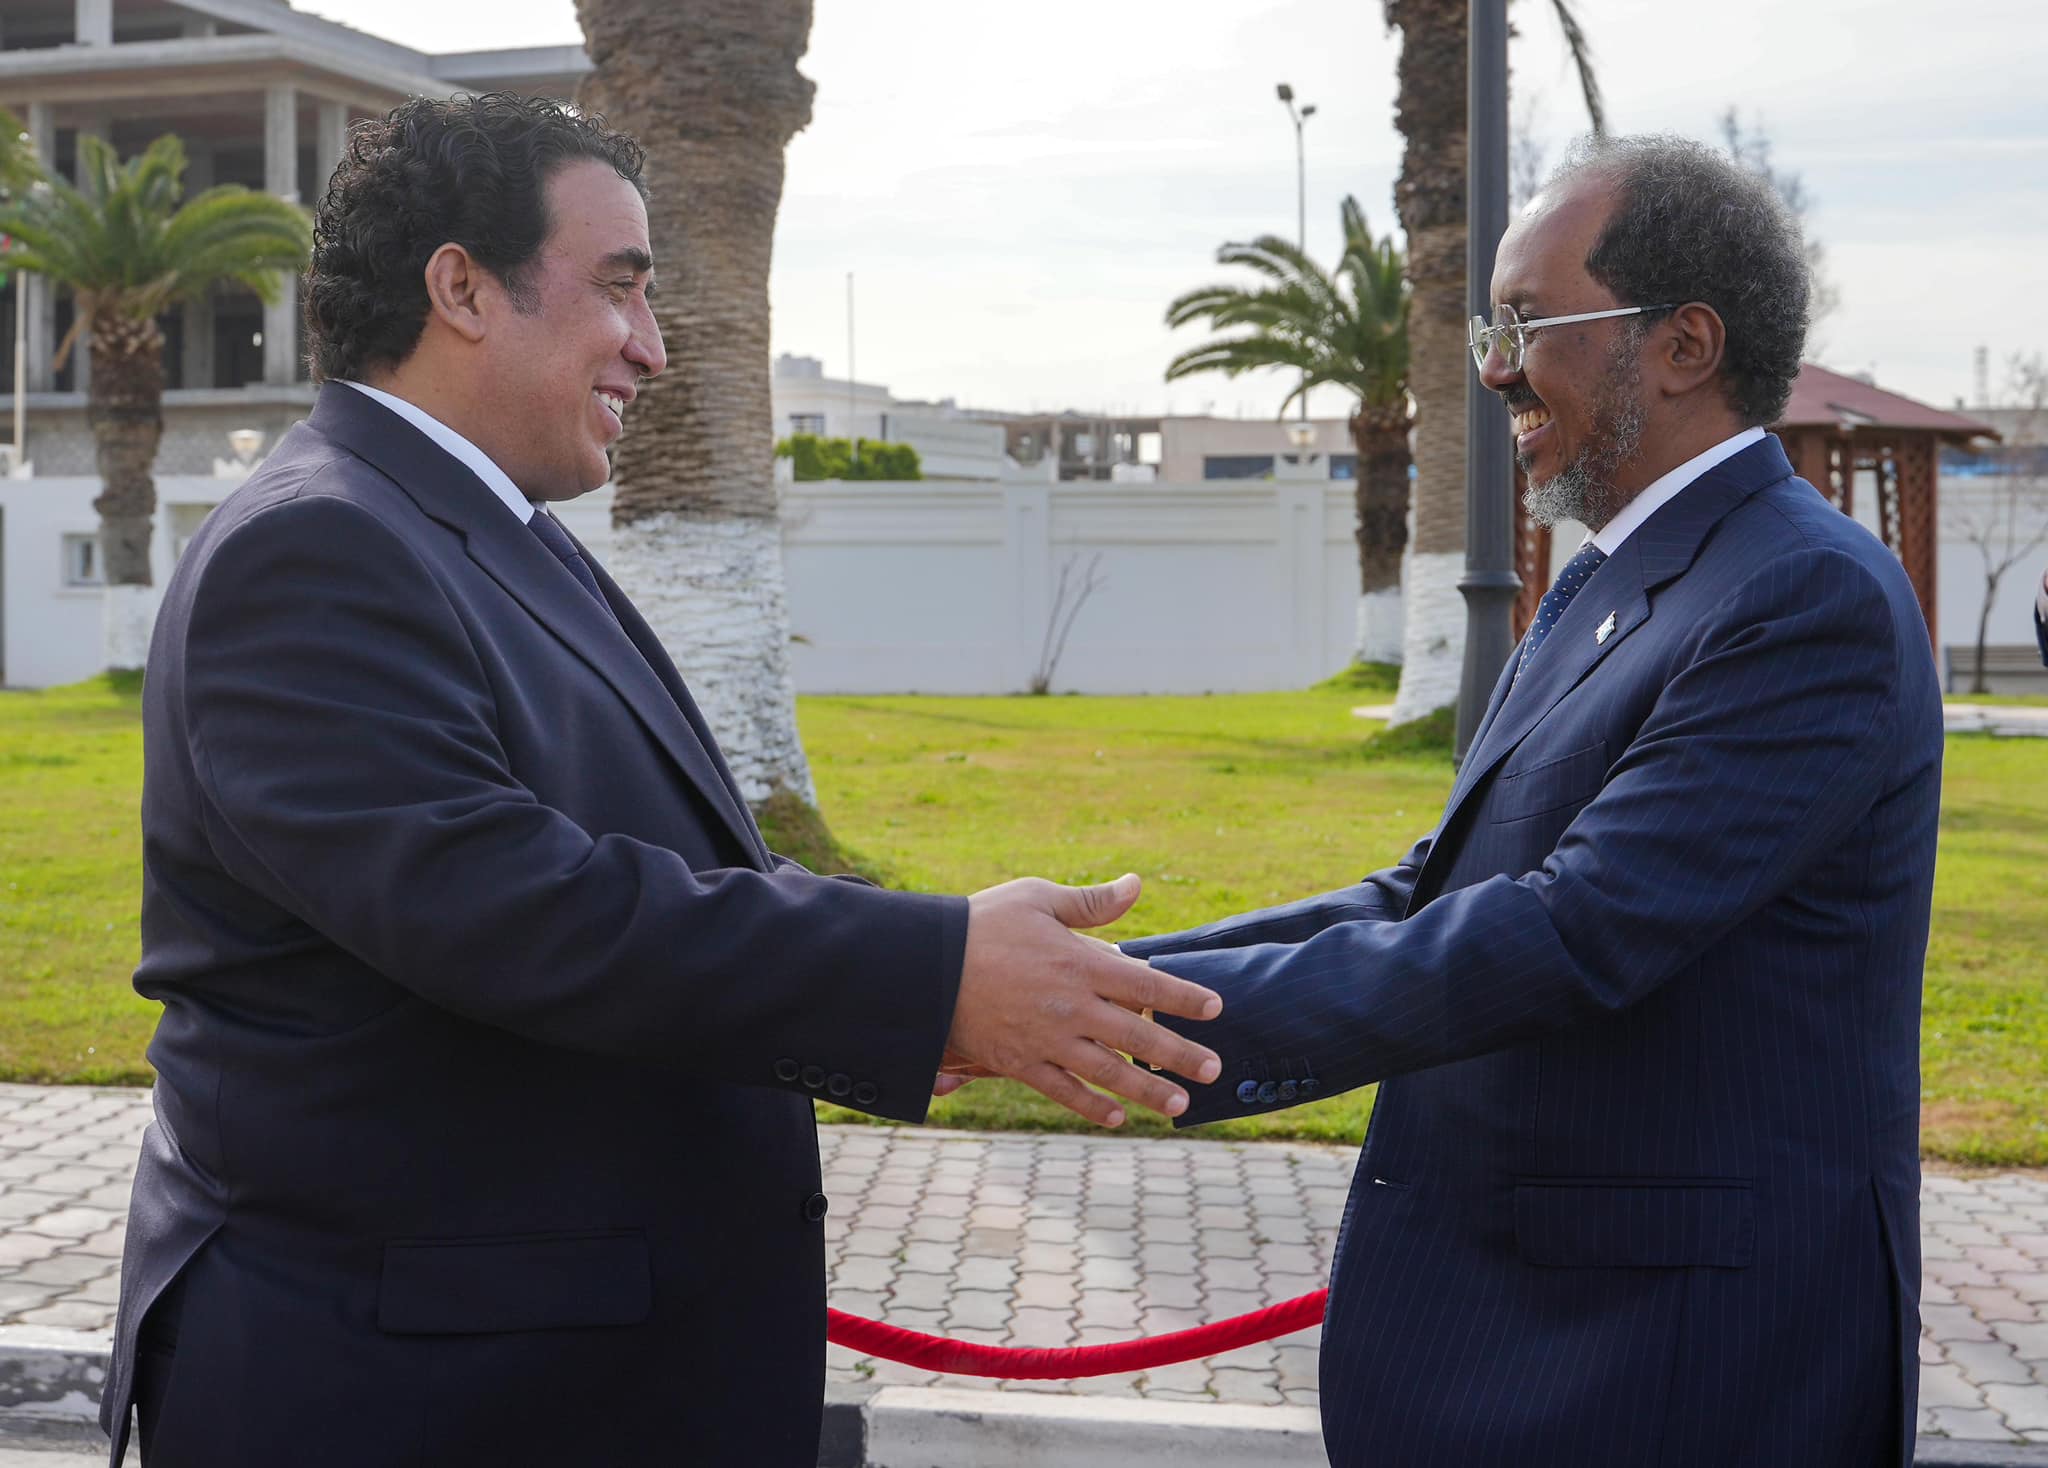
x: 1047, y: 1006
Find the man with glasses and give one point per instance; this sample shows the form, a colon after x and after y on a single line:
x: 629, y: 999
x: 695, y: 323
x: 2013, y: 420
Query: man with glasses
x: 1642, y: 1181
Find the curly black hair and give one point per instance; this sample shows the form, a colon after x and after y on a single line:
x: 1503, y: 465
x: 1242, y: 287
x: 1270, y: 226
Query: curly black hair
x: 1692, y: 224
x: 468, y: 170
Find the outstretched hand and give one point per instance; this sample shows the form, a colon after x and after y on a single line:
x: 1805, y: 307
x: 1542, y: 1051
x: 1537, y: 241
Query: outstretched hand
x: 1051, y: 1008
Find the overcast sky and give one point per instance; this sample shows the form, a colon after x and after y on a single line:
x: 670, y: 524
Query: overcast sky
x: 1019, y: 191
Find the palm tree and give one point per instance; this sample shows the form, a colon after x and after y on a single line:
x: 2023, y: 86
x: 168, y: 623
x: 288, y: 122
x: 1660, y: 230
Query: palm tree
x: 712, y: 91
x: 1350, y: 330
x: 128, y: 251
x: 1429, y: 110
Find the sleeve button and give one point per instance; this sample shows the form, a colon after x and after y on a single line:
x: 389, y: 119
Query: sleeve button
x: 787, y: 1069
x: 814, y: 1076
x: 838, y: 1086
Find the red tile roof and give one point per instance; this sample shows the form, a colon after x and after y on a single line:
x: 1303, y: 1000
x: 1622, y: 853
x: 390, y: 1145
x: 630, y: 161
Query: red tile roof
x: 1824, y: 399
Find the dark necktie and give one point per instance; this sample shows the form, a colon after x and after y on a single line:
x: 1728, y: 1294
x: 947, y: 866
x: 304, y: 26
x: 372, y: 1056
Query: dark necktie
x: 556, y: 539
x: 1575, y: 574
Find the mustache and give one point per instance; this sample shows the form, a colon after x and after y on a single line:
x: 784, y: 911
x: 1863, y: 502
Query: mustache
x: 1516, y: 399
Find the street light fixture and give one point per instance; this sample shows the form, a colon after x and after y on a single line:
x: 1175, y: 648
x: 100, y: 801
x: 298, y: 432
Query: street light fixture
x: 1299, y: 116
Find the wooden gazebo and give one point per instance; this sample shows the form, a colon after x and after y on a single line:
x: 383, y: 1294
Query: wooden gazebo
x: 1834, y: 426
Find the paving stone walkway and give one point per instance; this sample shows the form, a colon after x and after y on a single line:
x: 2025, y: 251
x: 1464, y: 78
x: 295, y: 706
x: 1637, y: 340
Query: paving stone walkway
x: 1055, y: 1241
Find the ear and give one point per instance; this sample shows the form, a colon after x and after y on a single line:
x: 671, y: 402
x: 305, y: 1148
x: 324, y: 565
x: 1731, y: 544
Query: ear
x: 1690, y: 348
x: 455, y: 283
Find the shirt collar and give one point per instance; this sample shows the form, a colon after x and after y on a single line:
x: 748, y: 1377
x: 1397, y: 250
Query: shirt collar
x: 474, y: 458
x: 1663, y: 490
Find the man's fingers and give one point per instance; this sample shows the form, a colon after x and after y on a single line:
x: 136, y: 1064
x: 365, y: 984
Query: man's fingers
x: 1136, y: 985
x: 946, y: 1085
x: 1057, y: 1085
x: 1091, y: 907
x: 1109, y: 1070
x: 1156, y: 1045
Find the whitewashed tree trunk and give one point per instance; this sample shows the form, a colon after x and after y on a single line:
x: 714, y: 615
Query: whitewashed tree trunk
x: 1433, y: 639
x: 127, y: 617
x: 713, y: 590
x: 1379, y: 627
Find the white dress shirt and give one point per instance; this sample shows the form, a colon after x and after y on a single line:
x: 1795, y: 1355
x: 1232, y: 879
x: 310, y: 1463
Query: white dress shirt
x: 1665, y: 488
x: 475, y: 458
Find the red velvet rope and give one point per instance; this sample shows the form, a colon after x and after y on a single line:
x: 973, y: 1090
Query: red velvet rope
x: 1020, y: 1363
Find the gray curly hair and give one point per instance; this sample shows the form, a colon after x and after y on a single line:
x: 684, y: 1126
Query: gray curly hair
x: 1691, y: 224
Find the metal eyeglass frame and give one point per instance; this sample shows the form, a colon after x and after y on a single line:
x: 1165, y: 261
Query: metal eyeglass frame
x: 1513, y: 333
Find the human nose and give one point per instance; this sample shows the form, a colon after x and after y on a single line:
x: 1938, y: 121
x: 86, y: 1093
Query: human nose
x: 643, y: 347
x: 1495, y: 372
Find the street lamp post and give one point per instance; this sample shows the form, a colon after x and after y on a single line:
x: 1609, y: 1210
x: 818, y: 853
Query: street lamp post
x: 1489, y: 583
x: 1299, y: 116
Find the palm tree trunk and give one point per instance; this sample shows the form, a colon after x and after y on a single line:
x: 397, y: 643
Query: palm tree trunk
x: 1380, y: 436
x: 125, y: 412
x: 711, y: 90
x: 1430, y: 197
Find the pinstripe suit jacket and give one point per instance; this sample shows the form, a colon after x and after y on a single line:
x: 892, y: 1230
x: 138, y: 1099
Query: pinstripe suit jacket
x: 1641, y: 1185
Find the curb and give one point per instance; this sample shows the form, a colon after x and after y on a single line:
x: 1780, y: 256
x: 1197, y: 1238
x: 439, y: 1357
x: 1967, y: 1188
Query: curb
x: 50, y: 1384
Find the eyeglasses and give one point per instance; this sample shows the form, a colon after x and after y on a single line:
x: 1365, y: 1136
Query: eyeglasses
x: 1509, y: 332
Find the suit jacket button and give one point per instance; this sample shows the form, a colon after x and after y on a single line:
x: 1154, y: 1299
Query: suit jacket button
x: 816, y: 1207
x: 866, y: 1093
x: 1269, y: 1092
x: 1287, y: 1090
x: 838, y: 1085
x: 1248, y: 1092
x: 787, y: 1069
x: 814, y: 1076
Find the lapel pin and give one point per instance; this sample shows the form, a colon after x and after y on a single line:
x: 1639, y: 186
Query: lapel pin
x: 1606, y: 628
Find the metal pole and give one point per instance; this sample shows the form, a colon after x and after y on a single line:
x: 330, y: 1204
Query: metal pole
x: 20, y: 369
x: 852, y: 428
x: 1489, y: 583
x: 1300, y: 185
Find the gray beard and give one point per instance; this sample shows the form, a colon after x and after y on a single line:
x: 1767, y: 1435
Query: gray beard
x: 1584, y: 490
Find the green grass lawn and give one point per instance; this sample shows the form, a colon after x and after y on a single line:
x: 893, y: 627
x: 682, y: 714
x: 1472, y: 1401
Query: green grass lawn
x: 1220, y: 803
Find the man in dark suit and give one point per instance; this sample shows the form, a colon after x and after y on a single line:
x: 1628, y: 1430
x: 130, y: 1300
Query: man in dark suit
x: 2041, y: 618
x: 1641, y: 1185
x: 491, y: 1027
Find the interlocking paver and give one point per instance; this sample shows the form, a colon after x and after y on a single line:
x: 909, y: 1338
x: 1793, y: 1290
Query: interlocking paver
x: 1074, y: 1240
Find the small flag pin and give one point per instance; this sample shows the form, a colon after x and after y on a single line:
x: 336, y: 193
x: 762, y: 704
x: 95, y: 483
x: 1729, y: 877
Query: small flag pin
x: 1605, y: 628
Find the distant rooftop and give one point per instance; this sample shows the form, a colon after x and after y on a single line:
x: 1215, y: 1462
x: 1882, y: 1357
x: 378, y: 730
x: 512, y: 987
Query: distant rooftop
x: 1825, y: 399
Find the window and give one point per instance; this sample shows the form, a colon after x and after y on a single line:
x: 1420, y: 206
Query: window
x: 1237, y: 466
x: 811, y: 423
x: 82, y: 560
x: 1343, y: 466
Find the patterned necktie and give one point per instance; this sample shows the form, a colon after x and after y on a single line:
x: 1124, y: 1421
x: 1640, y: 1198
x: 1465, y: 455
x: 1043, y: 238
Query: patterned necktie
x: 1574, y: 575
x: 556, y: 539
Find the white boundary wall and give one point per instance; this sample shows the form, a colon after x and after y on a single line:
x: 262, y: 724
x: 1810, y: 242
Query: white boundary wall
x: 1225, y: 586
x: 893, y: 588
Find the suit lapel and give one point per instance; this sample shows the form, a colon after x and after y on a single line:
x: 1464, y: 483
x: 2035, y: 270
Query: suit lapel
x: 446, y: 490
x: 1660, y: 550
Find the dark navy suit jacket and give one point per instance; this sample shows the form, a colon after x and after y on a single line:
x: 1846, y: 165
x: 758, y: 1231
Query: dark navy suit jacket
x: 1641, y: 1185
x: 491, y: 1026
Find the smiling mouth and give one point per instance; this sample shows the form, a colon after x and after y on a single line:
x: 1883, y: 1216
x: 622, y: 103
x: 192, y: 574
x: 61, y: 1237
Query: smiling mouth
x: 615, y: 404
x: 1530, y: 419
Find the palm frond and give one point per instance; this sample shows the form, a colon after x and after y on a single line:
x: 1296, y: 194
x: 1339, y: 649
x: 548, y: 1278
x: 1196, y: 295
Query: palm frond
x: 121, y: 238
x: 1349, y: 329
x: 1582, y: 60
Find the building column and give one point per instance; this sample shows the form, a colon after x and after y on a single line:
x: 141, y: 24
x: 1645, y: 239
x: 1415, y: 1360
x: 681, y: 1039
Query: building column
x: 195, y: 361
x: 95, y: 22
x: 81, y: 350
x: 330, y: 141
x: 42, y: 299
x: 281, y: 177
